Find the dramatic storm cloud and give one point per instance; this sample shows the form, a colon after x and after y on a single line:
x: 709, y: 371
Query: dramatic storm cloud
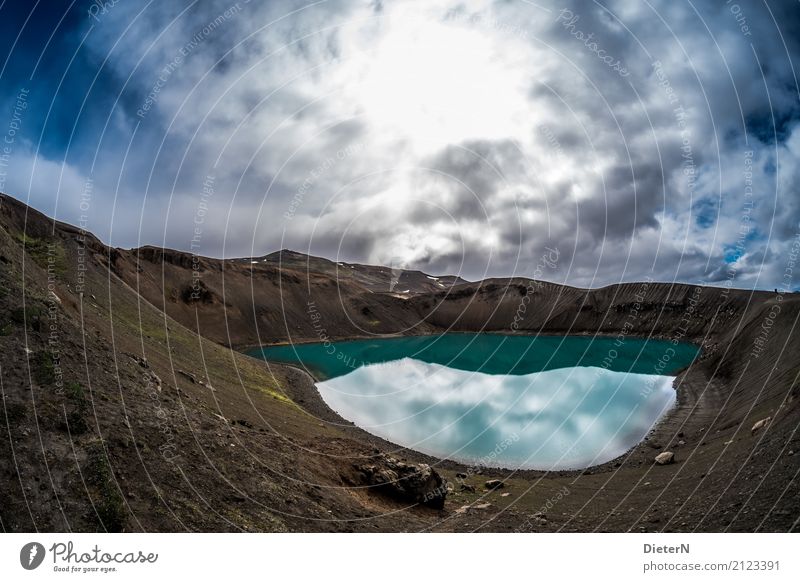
x: 640, y: 140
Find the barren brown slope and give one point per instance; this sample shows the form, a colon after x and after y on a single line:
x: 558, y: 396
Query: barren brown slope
x: 240, y: 303
x: 246, y: 302
x: 116, y: 417
x: 375, y: 278
x: 660, y: 309
x: 261, y: 451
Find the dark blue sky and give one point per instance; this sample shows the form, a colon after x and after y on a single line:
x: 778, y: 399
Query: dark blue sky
x: 41, y: 44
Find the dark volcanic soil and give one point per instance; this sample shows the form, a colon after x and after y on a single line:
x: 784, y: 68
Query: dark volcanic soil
x: 123, y: 410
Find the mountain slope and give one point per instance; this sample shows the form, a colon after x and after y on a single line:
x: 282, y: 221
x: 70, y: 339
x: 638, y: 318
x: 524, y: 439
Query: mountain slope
x: 124, y: 410
x: 117, y: 417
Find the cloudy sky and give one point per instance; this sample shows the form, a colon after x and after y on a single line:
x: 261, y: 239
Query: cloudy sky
x: 640, y: 140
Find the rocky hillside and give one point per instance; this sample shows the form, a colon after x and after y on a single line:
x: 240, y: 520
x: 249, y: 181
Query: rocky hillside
x: 123, y: 409
x: 116, y: 417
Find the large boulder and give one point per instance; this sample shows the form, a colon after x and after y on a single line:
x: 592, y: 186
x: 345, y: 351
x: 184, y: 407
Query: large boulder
x: 408, y: 482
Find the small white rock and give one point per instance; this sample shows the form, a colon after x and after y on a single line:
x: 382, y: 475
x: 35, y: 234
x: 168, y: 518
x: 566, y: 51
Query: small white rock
x: 760, y: 424
x: 665, y: 458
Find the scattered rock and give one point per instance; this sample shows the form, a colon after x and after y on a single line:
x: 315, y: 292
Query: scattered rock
x: 405, y: 481
x: 681, y: 443
x: 665, y: 458
x: 461, y: 475
x: 467, y: 487
x: 506, y: 494
x: 760, y: 424
x: 154, y: 380
x: 539, y: 518
x: 188, y: 375
x: 493, y: 484
x: 482, y: 506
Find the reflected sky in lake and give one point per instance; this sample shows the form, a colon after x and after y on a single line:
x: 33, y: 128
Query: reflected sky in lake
x: 566, y: 418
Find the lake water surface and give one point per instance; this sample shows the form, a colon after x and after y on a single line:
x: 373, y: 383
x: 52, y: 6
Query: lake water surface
x: 543, y: 402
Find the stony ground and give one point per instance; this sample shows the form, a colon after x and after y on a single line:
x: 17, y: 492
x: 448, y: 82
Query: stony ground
x: 118, y: 415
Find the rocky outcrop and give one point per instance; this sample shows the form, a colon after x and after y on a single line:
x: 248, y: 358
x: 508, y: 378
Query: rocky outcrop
x: 413, y: 483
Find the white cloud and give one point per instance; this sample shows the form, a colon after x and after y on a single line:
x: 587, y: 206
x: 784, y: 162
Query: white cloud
x: 472, y: 130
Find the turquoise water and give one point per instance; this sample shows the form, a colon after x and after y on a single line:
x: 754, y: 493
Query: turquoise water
x: 489, y: 353
x: 504, y: 401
